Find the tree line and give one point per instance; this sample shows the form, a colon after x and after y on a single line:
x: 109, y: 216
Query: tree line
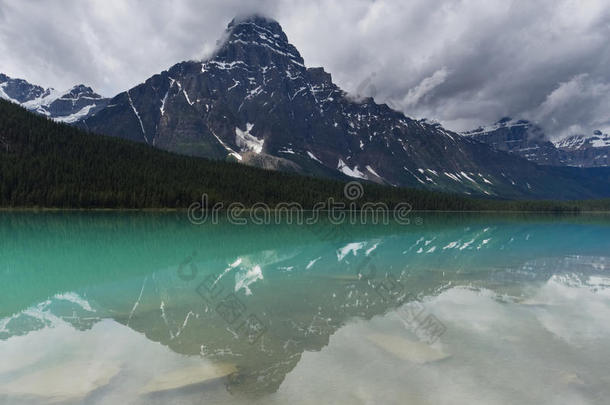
x: 44, y: 163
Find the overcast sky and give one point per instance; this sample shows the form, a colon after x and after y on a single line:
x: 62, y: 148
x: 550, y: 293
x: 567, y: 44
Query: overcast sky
x: 463, y: 63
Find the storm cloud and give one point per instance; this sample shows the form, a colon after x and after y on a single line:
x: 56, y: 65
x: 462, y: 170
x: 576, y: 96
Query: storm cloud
x: 463, y: 63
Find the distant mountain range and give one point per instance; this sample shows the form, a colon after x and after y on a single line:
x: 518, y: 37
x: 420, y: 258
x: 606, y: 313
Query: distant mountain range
x: 67, y: 106
x: 524, y: 138
x: 255, y: 102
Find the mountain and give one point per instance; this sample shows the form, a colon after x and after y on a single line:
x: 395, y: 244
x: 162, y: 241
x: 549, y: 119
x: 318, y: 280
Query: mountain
x: 525, y: 139
x: 70, y: 106
x: 583, y: 151
x: 520, y: 137
x: 256, y: 102
x: 49, y: 164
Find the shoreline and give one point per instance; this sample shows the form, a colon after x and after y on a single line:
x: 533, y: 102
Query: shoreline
x: 168, y: 210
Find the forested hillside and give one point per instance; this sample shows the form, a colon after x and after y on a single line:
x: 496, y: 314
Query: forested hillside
x: 47, y: 164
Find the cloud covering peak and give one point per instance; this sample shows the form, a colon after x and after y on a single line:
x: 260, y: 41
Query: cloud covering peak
x: 463, y: 63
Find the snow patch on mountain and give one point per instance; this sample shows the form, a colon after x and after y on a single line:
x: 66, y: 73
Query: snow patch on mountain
x: 64, y: 106
x: 505, y: 122
x: 245, y: 278
x: 311, y: 155
x: 137, y: 115
x: 224, y: 145
x: 248, y: 142
x: 352, y: 248
x: 372, y: 171
x: 598, y: 140
x: 4, y: 95
x: 41, y: 104
x: 83, y: 112
x: 345, y: 169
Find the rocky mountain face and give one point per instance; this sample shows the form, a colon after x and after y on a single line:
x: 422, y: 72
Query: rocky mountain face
x: 70, y: 106
x: 255, y: 101
x: 586, y: 151
x: 519, y: 137
x: 525, y: 139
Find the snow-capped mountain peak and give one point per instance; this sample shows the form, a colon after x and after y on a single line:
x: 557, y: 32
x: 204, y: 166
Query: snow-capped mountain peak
x: 506, y: 122
x: 263, y: 35
x: 528, y: 140
x: 598, y: 140
x: 19, y: 90
x: 67, y: 106
x: 256, y: 102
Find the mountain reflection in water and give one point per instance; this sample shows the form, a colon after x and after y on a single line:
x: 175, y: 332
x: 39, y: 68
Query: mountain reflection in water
x: 251, y: 303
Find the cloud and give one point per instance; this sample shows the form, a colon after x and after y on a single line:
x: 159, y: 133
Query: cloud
x: 109, y: 44
x: 415, y: 95
x: 463, y: 63
x: 579, y: 105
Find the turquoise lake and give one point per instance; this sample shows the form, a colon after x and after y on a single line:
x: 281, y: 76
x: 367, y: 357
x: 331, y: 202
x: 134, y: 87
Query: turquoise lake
x: 148, y: 308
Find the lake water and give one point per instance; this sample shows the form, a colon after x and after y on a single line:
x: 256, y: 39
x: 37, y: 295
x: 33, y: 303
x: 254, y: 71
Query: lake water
x: 145, y: 308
